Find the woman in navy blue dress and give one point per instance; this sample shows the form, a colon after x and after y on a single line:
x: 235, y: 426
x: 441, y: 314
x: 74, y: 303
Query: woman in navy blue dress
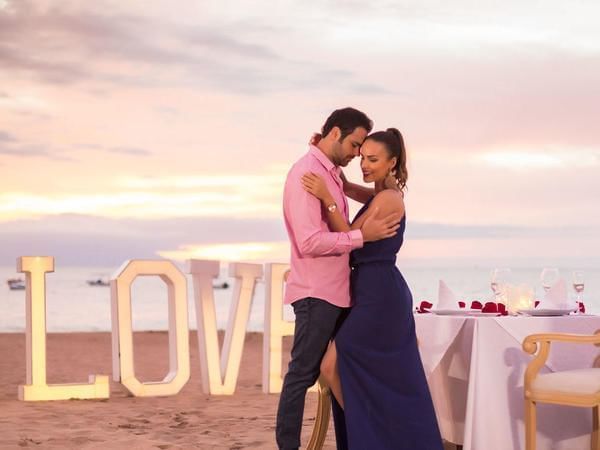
x: 373, y: 366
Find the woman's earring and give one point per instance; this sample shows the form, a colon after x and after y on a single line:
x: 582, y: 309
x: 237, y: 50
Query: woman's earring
x: 392, y: 174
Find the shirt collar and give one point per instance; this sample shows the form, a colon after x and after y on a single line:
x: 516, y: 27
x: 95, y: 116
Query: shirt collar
x: 323, y: 159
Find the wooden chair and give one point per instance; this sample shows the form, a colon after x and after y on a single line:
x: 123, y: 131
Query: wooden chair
x: 319, y: 432
x: 570, y: 387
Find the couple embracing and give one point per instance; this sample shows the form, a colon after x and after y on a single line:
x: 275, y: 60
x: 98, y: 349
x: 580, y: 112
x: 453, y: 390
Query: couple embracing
x: 354, y: 321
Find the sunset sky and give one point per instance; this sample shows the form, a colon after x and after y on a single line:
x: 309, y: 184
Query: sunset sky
x: 143, y: 129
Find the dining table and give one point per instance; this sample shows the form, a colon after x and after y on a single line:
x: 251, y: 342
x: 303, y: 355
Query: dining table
x: 475, y: 368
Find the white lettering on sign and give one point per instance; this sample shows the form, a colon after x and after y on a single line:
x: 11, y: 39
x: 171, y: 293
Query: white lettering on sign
x: 36, y: 388
x: 275, y: 327
x: 220, y: 374
x: 122, y: 334
x: 219, y: 369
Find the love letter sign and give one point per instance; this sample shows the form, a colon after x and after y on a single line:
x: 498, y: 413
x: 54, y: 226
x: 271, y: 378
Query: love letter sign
x: 219, y: 368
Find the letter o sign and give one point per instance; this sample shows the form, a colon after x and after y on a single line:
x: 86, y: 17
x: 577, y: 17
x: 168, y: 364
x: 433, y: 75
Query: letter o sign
x: 122, y: 335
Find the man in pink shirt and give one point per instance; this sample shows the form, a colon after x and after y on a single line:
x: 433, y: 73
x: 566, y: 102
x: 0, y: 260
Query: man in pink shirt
x: 318, y: 284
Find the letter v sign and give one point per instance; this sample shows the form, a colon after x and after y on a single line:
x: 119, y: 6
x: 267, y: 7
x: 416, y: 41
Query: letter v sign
x: 221, y: 379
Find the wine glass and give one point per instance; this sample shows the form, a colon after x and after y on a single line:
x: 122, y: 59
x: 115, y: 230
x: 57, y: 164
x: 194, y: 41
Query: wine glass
x: 499, y: 278
x: 548, y: 277
x: 578, y: 285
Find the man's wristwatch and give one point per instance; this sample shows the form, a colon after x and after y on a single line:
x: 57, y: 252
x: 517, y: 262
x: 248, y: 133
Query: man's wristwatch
x: 331, y: 208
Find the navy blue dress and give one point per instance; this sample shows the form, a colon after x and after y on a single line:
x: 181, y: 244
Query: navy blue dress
x: 386, y: 397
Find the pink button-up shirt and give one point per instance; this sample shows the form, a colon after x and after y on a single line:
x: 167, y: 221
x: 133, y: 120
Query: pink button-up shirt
x: 319, y: 257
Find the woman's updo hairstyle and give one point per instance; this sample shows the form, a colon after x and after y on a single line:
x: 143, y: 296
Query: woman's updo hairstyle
x: 394, y: 143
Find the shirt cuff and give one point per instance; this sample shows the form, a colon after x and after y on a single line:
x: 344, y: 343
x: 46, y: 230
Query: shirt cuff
x: 357, y: 238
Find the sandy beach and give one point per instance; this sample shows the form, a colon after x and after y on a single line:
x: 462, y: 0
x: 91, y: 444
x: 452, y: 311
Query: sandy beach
x: 188, y: 420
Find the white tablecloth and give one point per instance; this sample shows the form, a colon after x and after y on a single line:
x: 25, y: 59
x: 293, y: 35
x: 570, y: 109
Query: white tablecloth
x: 475, y: 368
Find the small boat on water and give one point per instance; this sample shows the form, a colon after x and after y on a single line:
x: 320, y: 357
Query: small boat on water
x: 223, y: 285
x: 15, y: 284
x: 98, y: 282
x: 103, y: 282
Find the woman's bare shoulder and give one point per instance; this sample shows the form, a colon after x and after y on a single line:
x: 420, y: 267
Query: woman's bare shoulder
x: 389, y: 196
x: 388, y: 201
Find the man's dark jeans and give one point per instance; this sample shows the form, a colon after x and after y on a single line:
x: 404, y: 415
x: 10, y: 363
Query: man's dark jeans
x: 316, y: 323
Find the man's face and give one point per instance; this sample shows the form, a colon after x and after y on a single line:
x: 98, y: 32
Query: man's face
x: 349, y: 148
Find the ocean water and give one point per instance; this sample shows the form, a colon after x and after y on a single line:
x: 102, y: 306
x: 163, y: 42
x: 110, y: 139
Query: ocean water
x: 72, y: 305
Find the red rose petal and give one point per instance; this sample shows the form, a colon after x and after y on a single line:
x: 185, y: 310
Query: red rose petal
x: 476, y: 305
x: 424, y: 307
x: 490, y: 307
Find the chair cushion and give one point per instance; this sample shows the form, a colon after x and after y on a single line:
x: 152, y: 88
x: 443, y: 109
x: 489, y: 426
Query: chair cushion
x: 582, y: 381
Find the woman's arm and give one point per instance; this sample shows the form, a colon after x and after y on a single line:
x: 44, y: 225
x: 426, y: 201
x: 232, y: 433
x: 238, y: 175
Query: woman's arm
x: 387, y: 203
x: 356, y: 192
x: 316, y: 186
x: 387, y: 206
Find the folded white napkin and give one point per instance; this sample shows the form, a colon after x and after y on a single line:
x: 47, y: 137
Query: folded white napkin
x: 556, y: 296
x: 446, y: 298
